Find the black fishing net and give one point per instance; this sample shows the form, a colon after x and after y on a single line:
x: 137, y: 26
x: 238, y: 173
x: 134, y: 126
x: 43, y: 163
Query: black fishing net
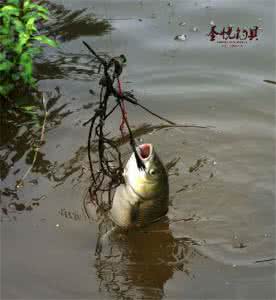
x: 107, y: 170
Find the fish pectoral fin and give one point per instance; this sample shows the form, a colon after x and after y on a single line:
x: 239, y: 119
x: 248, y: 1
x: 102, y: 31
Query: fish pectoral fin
x: 132, y: 198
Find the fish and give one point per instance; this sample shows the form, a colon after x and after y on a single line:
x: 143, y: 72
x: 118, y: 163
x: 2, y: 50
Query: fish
x: 143, y: 198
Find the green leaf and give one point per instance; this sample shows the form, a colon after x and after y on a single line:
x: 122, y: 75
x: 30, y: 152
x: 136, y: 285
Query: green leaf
x: 6, y: 66
x: 23, y: 39
x: 27, y: 66
x: 5, y: 89
x: 30, y: 25
x: 33, y: 51
x: 10, y: 10
x: 45, y: 40
x: 13, y: 2
x: 7, y: 42
x: 39, y: 8
x: 6, y: 23
x: 29, y: 108
x: 26, y: 5
x: 36, y: 14
x: 5, y: 29
x: 2, y: 56
x: 43, y: 15
x: 25, y: 59
x: 15, y: 76
x: 19, y: 26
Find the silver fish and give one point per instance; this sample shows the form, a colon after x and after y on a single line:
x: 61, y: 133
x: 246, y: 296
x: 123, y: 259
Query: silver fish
x: 144, y: 197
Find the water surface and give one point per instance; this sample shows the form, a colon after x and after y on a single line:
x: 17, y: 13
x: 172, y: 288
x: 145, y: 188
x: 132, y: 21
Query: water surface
x: 223, y: 181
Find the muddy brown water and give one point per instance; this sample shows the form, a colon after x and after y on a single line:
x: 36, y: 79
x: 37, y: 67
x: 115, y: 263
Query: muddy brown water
x: 223, y: 181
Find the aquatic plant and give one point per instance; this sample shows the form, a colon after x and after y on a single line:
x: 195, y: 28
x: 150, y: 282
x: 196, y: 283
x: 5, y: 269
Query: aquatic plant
x: 20, y: 43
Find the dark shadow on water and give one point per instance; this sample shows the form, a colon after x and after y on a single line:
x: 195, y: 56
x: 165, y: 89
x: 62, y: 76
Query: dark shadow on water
x: 20, y: 134
x: 67, y: 66
x: 17, y: 144
x: 79, y: 167
x: 64, y: 65
x: 18, y: 138
x: 79, y: 162
x: 138, y: 263
x: 70, y: 25
x: 66, y: 25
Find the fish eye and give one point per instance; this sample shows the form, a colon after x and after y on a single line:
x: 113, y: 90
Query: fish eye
x: 152, y: 171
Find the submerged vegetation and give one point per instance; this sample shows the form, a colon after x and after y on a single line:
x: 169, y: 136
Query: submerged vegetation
x: 20, y: 43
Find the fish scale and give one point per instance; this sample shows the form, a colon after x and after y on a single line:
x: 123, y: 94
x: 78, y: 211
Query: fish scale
x: 144, y: 197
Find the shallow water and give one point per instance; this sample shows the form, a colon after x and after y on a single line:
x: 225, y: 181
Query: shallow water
x: 223, y: 181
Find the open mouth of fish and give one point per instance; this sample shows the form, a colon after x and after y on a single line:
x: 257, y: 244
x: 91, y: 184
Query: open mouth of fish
x: 145, y: 151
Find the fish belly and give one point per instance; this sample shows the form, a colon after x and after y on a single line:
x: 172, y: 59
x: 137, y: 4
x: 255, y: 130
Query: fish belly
x: 121, y: 207
x: 130, y: 210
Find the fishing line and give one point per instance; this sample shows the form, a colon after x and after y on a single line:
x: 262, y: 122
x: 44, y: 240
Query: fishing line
x: 106, y: 147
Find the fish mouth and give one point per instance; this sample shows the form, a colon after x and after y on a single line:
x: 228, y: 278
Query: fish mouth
x: 145, y: 151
